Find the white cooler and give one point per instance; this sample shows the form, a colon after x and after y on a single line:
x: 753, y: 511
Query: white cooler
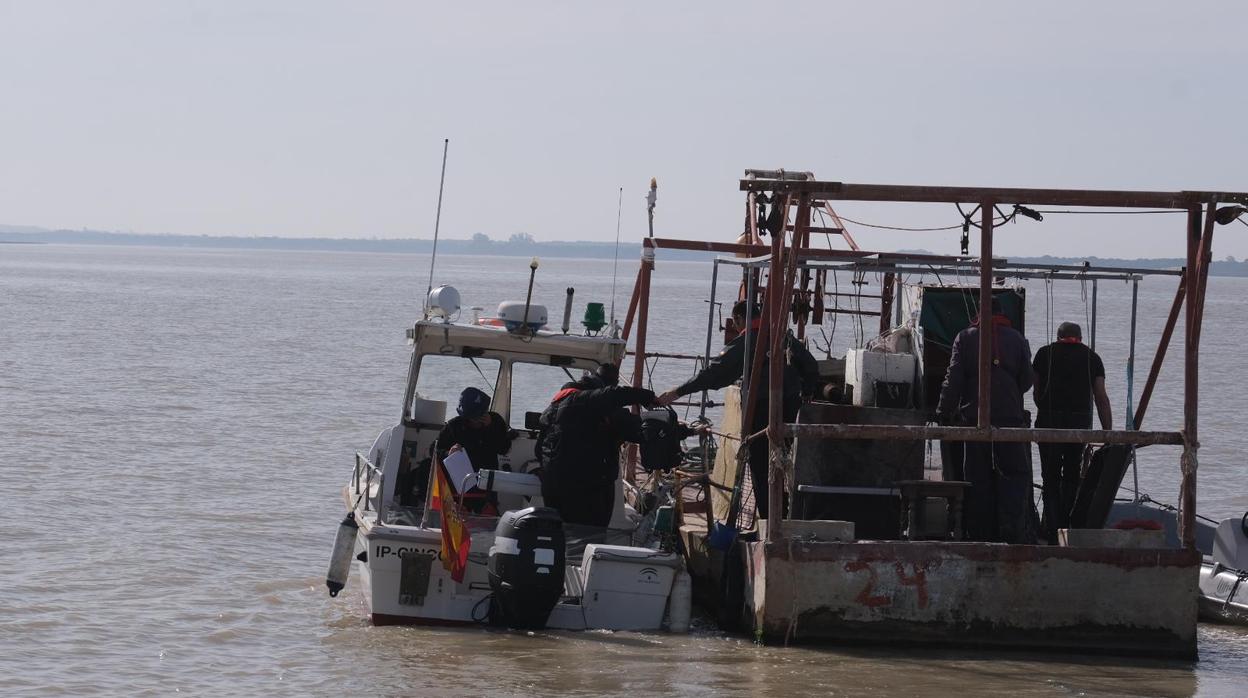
x: 626, y: 588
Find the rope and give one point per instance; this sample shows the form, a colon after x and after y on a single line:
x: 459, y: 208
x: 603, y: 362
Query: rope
x: 1114, y: 213
x: 901, y: 228
x: 1240, y: 578
x: 1145, y: 499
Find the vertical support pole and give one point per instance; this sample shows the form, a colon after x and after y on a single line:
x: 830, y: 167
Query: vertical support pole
x: 1191, y: 377
x: 775, y: 386
x: 801, y: 241
x: 1135, y: 302
x: 710, y: 331
x: 1130, y: 411
x: 747, y: 362
x: 639, y: 359
x: 1092, y: 333
x: 781, y: 290
x: 886, y: 302
x: 632, y: 303
x: 984, y: 419
x: 1160, y: 357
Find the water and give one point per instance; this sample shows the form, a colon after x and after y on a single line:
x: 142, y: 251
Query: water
x: 176, y: 426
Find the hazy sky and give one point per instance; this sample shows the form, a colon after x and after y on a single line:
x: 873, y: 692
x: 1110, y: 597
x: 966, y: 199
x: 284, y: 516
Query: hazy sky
x: 327, y: 118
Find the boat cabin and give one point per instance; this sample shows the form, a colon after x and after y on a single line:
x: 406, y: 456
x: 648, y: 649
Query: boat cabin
x: 521, y: 371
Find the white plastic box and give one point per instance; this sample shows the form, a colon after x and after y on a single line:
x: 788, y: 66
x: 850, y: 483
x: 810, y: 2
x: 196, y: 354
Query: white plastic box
x: 863, y: 368
x: 626, y: 588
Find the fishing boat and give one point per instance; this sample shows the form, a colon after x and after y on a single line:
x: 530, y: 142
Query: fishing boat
x: 873, y: 547
x: 523, y: 567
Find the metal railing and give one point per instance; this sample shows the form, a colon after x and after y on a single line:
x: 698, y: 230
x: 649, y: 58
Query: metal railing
x: 367, y: 474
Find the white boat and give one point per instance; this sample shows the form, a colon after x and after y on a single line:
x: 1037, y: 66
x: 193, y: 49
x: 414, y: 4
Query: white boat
x: 1223, y: 588
x: 1224, y: 574
x: 615, y: 579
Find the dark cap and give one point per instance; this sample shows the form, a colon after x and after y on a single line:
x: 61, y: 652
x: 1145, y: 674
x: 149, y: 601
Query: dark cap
x: 473, y: 403
x: 738, y: 310
x: 1069, y: 329
x: 997, y: 309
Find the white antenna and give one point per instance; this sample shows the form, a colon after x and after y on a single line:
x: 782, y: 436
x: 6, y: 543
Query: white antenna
x: 619, y: 207
x: 437, y: 222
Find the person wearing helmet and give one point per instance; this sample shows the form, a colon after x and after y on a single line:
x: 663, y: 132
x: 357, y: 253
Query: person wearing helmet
x: 483, y: 434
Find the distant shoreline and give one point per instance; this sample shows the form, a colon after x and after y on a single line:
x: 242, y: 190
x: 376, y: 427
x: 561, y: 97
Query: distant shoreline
x: 517, y: 246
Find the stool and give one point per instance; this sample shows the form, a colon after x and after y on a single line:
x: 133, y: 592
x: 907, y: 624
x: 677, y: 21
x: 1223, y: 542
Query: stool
x: 914, y: 494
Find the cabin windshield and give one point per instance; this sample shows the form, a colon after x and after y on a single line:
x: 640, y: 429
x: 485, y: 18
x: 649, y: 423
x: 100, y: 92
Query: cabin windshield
x: 443, y: 378
x: 533, y: 386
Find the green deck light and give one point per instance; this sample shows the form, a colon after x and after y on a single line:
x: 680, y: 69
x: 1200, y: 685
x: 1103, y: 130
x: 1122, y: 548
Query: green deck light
x: 595, y: 317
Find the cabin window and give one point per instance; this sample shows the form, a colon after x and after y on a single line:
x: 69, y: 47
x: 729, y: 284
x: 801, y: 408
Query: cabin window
x: 443, y: 378
x: 533, y: 386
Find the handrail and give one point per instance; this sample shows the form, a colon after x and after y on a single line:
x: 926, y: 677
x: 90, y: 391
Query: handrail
x: 363, y: 464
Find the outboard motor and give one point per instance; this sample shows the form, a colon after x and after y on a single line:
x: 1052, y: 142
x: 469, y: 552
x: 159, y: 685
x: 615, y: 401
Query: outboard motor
x: 526, y: 567
x: 660, y: 440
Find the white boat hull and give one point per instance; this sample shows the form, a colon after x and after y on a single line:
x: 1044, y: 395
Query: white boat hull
x: 445, y: 602
x: 1223, y: 594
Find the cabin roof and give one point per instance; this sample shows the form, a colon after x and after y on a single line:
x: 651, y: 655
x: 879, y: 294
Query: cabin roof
x: 458, y: 339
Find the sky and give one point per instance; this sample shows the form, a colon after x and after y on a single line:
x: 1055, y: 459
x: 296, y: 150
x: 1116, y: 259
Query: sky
x: 327, y: 119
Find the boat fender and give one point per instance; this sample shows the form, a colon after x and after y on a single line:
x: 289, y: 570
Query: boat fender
x: 340, y: 560
x: 680, y: 603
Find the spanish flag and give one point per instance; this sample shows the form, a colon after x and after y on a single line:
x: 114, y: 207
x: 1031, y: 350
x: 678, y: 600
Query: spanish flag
x: 455, y: 536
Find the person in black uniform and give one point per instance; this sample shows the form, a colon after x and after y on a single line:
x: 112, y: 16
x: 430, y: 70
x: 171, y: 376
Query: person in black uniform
x: 483, y: 434
x: 801, y: 373
x: 996, y: 505
x: 579, y: 445
x: 1069, y: 377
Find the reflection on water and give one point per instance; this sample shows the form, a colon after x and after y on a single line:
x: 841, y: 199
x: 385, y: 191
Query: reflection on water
x: 177, y: 426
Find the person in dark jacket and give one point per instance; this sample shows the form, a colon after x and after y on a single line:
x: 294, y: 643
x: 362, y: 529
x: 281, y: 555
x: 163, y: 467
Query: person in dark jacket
x: 1069, y: 378
x: 996, y: 505
x: 800, y: 376
x: 483, y: 434
x: 582, y: 430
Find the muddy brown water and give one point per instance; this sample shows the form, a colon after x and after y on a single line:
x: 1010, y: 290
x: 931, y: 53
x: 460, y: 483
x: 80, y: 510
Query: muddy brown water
x: 176, y: 424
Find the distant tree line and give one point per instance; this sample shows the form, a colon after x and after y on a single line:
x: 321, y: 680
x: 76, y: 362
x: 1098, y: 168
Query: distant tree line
x: 518, y: 244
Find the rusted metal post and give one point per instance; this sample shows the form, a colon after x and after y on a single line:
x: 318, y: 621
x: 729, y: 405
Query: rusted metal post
x: 985, y: 315
x: 886, y: 303
x: 1191, y: 377
x: 639, y: 361
x: 1160, y: 356
x: 1204, y: 255
x: 632, y: 303
x: 775, y: 386
x: 779, y: 319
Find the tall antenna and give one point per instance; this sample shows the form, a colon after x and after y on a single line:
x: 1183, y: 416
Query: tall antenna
x: 437, y: 222
x: 619, y: 207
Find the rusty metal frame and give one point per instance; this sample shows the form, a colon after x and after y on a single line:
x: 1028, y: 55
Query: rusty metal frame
x: 784, y: 261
